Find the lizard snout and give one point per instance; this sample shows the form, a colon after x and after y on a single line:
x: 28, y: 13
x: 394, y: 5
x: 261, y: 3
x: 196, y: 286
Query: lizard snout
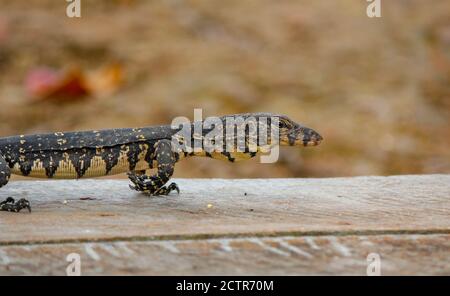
x: 304, y: 136
x: 312, y: 138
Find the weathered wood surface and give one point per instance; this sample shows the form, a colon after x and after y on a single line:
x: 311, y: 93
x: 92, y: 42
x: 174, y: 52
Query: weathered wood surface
x: 327, y: 255
x: 276, y: 226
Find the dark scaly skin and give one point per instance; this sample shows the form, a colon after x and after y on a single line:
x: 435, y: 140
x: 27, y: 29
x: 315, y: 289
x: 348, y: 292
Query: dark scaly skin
x: 11, y: 205
x: 75, y: 155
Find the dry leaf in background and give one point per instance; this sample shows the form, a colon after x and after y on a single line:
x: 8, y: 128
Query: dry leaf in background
x: 72, y: 84
x: 105, y: 81
x: 46, y: 84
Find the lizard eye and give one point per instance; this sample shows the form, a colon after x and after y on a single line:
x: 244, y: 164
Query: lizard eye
x: 281, y: 124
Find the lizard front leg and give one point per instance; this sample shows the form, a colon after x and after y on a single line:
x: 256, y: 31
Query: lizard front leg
x: 154, y: 185
x: 9, y: 204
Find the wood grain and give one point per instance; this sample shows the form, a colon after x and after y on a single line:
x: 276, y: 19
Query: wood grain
x: 399, y: 216
x: 308, y: 255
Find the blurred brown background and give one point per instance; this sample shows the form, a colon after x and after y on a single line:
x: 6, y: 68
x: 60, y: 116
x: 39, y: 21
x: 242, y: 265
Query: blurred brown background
x: 377, y: 89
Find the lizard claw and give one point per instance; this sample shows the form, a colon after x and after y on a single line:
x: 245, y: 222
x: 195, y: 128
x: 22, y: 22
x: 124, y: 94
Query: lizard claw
x: 10, y: 200
x: 165, y: 190
x: 174, y: 186
x: 23, y: 204
x: 150, y: 185
x: 7, y: 200
x: 132, y: 176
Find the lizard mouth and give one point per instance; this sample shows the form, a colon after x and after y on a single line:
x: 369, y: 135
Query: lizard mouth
x: 307, y: 137
x: 311, y: 138
x: 312, y: 143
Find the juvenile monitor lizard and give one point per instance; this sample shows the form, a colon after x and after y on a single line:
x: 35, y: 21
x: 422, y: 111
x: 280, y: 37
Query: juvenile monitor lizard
x: 74, y: 155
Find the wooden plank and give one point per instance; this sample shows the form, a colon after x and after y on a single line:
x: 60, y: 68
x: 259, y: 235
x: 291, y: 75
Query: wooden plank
x: 261, y: 207
x: 325, y: 255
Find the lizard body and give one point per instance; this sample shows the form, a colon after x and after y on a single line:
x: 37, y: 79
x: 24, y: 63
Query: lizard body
x: 74, y: 155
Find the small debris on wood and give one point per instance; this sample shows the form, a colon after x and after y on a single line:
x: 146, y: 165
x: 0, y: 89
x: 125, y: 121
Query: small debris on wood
x: 87, y: 198
x: 107, y: 214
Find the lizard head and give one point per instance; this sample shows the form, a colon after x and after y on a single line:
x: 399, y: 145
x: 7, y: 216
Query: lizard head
x: 295, y: 134
x: 290, y: 132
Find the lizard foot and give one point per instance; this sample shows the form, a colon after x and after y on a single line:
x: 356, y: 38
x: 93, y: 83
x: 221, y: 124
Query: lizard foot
x: 165, y: 190
x: 148, y: 185
x: 11, y: 205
